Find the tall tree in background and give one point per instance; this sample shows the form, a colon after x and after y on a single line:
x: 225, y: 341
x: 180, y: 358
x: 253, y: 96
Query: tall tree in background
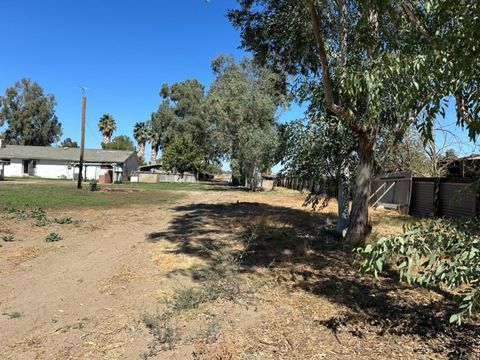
x: 182, y: 154
x: 121, y: 142
x: 141, y: 134
x: 69, y: 143
x: 377, y: 63
x: 106, y: 126
x: 242, y: 103
x: 163, y: 123
x: 29, y: 115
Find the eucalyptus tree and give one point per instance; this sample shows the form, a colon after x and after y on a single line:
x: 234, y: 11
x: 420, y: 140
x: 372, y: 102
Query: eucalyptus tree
x: 106, y: 126
x: 323, y: 150
x: 375, y: 64
x: 29, y: 115
x: 141, y: 135
x: 242, y: 103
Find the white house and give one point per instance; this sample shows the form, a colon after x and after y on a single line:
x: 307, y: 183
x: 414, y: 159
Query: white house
x: 63, y: 163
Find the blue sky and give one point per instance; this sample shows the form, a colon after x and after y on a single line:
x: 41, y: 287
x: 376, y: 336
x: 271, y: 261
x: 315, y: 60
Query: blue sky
x: 123, y: 51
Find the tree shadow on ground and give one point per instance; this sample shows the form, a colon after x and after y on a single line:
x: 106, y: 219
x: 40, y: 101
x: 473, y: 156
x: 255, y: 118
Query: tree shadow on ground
x: 301, y: 254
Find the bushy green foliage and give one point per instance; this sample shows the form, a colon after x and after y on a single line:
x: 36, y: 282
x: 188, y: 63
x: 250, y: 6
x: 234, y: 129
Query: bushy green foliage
x: 433, y: 253
x: 182, y: 155
x: 29, y: 115
x: 243, y: 101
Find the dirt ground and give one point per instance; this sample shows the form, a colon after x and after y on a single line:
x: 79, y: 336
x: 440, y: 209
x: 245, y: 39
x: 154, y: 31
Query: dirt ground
x: 268, y: 281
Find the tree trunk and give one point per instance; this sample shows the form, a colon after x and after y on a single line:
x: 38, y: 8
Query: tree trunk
x: 358, y: 226
x: 153, y: 154
x: 342, y: 200
x: 141, y: 151
x: 106, y: 139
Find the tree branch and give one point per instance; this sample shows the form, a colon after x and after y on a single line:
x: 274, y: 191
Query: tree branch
x: 326, y: 79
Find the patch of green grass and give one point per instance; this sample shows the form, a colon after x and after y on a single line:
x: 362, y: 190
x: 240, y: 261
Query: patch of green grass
x: 200, y: 186
x: 63, y: 194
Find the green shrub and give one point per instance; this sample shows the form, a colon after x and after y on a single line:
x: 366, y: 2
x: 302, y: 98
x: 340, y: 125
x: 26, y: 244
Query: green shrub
x: 433, y: 253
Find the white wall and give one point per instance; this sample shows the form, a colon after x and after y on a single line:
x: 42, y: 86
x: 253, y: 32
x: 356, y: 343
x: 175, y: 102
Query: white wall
x: 14, y: 169
x: 51, y: 169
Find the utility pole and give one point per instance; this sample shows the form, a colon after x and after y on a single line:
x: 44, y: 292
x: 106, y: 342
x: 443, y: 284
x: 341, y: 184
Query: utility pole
x: 82, y: 142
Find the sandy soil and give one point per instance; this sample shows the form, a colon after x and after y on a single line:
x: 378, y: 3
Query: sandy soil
x: 83, y: 297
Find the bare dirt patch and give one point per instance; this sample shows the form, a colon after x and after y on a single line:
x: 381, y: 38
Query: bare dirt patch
x: 219, y: 275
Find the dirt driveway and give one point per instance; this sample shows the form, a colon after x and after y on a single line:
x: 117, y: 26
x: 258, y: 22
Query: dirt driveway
x: 86, y: 296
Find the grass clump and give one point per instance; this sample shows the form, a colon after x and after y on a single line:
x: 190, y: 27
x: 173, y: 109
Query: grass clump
x: 53, y: 237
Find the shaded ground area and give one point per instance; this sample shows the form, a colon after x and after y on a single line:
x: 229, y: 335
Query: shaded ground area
x: 211, y: 275
x: 290, y: 248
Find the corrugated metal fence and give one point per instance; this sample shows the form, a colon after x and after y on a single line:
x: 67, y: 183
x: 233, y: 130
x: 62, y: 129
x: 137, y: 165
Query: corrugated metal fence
x: 435, y: 197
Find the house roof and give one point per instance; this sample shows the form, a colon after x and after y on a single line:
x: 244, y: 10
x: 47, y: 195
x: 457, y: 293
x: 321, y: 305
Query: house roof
x: 63, y: 154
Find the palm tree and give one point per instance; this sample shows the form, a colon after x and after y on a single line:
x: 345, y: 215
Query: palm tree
x: 141, y: 134
x: 107, y: 126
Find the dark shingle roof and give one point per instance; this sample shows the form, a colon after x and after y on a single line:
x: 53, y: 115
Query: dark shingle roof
x: 63, y: 154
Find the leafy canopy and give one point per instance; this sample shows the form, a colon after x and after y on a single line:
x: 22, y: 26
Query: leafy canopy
x: 121, y: 142
x: 29, y: 115
x: 183, y: 155
x: 242, y: 103
x: 69, y: 143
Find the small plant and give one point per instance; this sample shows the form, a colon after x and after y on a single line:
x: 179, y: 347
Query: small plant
x: 40, y: 217
x: 10, y: 210
x: 52, y: 237
x: 7, y: 238
x: 66, y: 220
x: 159, y: 326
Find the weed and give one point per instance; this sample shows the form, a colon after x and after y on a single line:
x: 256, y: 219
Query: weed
x: 13, y: 315
x: 7, y: 238
x: 40, y: 217
x: 189, y: 298
x: 160, y: 328
x: 210, y: 333
x: 52, y: 237
x: 65, y: 220
x: 9, y: 210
